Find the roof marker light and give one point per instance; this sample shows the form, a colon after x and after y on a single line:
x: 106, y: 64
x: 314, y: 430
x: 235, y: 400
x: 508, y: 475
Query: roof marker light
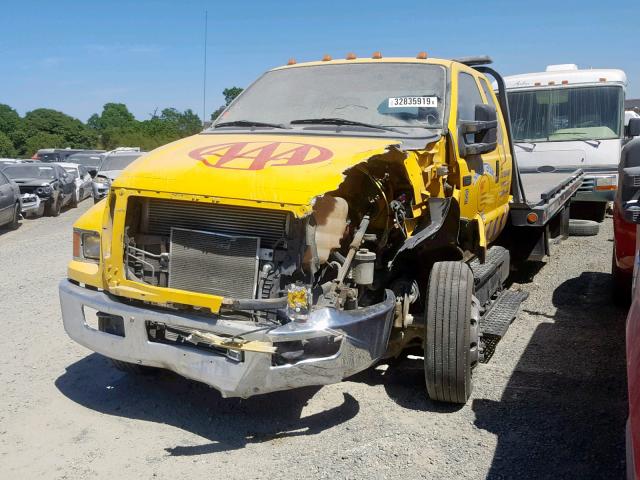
x: 292, y: 61
x: 351, y: 56
x: 603, y: 79
x: 537, y: 84
x: 565, y: 82
x: 552, y: 83
x: 327, y: 58
x: 421, y: 56
x: 376, y: 55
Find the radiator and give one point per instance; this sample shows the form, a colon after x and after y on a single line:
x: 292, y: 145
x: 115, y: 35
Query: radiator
x: 163, y: 215
x: 214, y: 263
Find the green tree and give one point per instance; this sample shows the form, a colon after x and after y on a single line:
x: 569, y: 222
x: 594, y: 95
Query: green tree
x: 6, y: 146
x: 229, y: 95
x: 43, y: 140
x: 9, y: 119
x: 185, y: 123
x: 114, y: 115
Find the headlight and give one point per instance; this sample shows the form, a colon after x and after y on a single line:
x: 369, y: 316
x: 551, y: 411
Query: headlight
x: 86, y: 245
x: 607, y: 183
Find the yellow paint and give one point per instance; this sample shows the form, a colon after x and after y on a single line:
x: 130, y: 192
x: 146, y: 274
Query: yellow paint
x: 283, y: 171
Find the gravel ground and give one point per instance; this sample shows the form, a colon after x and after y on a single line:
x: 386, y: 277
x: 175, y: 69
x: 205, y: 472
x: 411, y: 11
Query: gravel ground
x: 551, y: 402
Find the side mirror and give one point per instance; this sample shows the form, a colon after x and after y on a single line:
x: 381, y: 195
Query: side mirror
x: 633, y: 129
x: 92, y: 172
x: 479, y: 136
x: 629, y: 186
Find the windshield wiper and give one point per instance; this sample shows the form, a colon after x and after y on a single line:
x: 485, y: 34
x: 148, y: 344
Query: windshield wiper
x: 526, y: 149
x: 341, y: 121
x: 248, y: 123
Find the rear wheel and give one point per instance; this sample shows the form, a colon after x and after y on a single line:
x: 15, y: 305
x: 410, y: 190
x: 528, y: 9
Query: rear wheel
x: 451, y: 346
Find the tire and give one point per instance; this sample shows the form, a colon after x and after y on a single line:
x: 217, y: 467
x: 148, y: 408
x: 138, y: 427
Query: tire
x: 594, y: 211
x: 451, y: 343
x: 15, y: 223
x: 621, y: 284
x: 583, y: 228
x: 106, y: 325
x: 74, y: 200
x: 53, y: 210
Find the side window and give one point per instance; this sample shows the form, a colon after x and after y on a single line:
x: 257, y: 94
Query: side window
x: 468, y: 97
x: 487, y: 93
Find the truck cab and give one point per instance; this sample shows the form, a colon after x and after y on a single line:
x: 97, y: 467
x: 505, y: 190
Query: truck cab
x: 566, y: 118
x: 332, y: 216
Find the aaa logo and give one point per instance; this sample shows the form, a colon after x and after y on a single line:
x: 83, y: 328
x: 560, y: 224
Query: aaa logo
x: 258, y: 155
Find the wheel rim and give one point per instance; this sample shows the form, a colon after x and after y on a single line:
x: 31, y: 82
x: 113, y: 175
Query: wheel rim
x: 474, y: 333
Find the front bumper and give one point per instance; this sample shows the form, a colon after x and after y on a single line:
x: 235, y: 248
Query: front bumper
x: 99, y: 192
x: 596, y: 188
x: 363, y: 335
x: 30, y: 202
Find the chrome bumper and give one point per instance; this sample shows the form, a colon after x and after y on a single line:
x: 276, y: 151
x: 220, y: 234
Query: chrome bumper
x: 30, y: 201
x: 363, y: 335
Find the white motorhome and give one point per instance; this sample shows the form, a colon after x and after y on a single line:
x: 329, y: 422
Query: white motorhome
x: 565, y: 118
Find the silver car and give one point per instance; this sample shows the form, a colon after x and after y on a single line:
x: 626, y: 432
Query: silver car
x: 111, y: 166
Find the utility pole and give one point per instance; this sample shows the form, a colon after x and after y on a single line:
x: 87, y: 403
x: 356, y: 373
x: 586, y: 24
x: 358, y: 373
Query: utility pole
x: 204, y: 80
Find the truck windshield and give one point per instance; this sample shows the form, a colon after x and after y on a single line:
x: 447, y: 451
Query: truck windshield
x: 384, y: 94
x: 561, y: 114
x: 118, y: 162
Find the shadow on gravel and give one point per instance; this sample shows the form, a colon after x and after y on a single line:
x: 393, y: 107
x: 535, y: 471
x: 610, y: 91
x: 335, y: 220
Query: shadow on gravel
x: 403, y: 381
x: 229, y: 424
x: 563, y: 412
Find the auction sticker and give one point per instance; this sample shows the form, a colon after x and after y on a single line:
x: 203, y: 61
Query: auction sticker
x: 400, y: 102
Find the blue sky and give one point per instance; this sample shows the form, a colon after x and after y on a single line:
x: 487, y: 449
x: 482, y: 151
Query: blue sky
x: 75, y: 56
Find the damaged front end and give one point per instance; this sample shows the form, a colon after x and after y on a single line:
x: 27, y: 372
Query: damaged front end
x: 251, y: 299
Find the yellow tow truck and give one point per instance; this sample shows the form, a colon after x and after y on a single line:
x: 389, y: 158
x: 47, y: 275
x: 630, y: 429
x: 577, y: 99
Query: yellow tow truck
x: 336, y: 213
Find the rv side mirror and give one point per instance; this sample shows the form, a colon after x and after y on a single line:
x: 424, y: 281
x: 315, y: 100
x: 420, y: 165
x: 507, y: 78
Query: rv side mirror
x: 633, y: 129
x: 92, y: 171
x: 480, y: 135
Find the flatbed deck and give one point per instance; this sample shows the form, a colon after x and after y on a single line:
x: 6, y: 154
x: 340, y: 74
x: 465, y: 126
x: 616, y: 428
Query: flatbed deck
x: 544, y: 194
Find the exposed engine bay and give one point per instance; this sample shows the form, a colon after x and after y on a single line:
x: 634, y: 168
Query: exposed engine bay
x: 268, y: 264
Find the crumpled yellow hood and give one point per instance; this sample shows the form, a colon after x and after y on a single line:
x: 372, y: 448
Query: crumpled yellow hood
x: 283, y: 169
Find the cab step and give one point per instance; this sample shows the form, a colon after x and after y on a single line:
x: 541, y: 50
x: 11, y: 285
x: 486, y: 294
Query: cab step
x: 500, y: 314
x: 496, y: 320
x: 489, y: 277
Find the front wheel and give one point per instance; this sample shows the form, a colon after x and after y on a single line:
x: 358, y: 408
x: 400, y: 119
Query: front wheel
x: 451, y: 346
x: 15, y: 221
x: 55, y: 207
x: 74, y: 199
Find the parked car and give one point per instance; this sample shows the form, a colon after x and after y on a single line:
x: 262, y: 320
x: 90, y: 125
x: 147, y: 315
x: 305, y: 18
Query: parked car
x: 10, y: 202
x: 112, y: 165
x: 45, y: 187
x: 59, y: 154
x: 90, y: 160
x: 5, y: 162
x: 83, y: 179
x: 626, y: 212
